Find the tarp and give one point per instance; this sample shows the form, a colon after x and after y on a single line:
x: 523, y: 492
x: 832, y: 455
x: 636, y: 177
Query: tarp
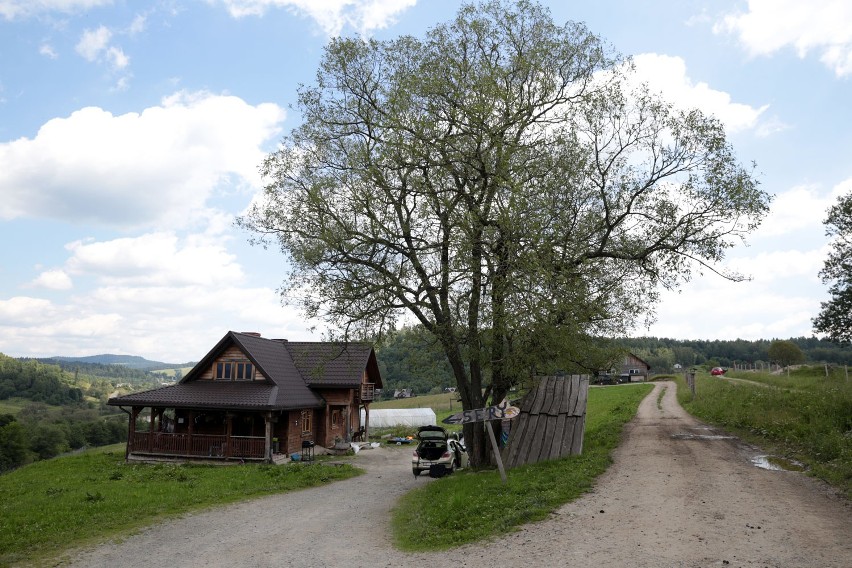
x: 387, y: 417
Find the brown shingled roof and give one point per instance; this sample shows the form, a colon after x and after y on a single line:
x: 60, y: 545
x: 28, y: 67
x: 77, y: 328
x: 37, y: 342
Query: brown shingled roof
x: 334, y: 364
x: 291, y: 371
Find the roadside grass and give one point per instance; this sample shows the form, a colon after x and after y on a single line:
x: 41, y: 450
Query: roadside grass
x: 56, y: 505
x: 475, y: 505
x: 805, y: 417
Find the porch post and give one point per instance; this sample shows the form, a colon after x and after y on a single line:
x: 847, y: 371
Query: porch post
x: 229, y: 428
x: 348, y: 419
x: 131, y: 430
x: 190, y: 430
x: 267, y: 419
x: 151, y: 430
x: 366, y: 422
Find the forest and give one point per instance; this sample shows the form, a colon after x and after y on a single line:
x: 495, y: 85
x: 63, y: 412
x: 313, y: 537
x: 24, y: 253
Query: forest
x: 410, y: 358
x: 47, y: 410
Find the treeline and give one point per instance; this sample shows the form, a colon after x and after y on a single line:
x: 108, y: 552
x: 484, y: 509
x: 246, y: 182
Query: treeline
x: 41, y: 432
x: 111, y: 371
x: 411, y: 358
x: 663, y: 354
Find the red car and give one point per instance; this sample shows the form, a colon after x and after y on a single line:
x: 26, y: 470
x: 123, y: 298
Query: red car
x: 716, y: 371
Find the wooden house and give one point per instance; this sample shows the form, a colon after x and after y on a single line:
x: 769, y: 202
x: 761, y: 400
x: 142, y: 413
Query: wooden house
x: 250, y: 397
x: 633, y: 369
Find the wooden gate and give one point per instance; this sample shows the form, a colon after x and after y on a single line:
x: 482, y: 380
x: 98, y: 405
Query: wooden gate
x: 551, y: 423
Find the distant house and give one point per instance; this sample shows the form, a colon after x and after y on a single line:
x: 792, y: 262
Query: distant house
x: 634, y: 369
x: 250, y: 397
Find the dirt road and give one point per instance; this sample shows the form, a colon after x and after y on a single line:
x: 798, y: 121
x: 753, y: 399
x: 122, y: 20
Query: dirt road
x: 678, y: 495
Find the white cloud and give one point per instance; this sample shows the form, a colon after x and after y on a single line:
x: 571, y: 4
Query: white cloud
x: 668, y: 75
x: 94, y: 45
x: 11, y: 9
x: 165, y: 323
x: 331, y: 15
x: 801, y: 207
x: 714, y: 308
x: 157, y: 259
x: 138, y: 25
x: 53, y: 280
x: 93, y: 42
x: 157, y: 167
x: 117, y: 58
x: 822, y: 26
x: 47, y: 50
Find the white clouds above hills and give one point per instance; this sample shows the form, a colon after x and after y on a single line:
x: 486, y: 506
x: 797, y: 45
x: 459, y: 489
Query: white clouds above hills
x: 119, y: 194
x: 151, y: 168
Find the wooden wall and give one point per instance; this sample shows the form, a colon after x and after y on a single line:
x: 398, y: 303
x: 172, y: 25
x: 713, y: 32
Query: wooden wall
x: 232, y: 353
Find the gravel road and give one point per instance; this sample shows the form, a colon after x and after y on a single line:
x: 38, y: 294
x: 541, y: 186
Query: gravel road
x: 679, y: 495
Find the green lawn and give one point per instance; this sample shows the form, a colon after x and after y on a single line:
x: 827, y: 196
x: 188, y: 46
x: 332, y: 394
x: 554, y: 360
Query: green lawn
x: 472, y: 506
x: 63, y: 503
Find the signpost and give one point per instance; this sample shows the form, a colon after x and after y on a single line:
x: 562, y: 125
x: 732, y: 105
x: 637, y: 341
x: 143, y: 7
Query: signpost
x: 503, y: 411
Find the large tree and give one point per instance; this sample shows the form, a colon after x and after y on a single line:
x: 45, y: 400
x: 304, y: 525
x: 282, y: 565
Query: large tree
x: 785, y: 353
x: 501, y: 183
x: 835, y: 317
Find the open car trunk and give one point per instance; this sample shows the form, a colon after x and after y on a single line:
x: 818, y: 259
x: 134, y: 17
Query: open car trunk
x: 432, y: 450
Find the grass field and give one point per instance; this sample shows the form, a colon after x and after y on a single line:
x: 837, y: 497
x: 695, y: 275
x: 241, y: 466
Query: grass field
x: 63, y: 503
x: 472, y: 506
x: 805, y: 417
x: 13, y: 405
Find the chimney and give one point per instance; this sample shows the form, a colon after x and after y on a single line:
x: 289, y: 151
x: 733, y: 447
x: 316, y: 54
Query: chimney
x: 252, y: 333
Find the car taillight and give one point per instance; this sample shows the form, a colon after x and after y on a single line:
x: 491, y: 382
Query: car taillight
x: 416, y: 455
x: 446, y: 455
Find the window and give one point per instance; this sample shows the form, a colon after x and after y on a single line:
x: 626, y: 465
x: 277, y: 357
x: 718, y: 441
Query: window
x: 234, y: 371
x: 223, y: 371
x: 243, y: 371
x: 307, y: 421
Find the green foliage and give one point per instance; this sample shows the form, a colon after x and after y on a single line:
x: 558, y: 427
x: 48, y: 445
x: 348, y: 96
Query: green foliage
x: 488, y: 181
x: 785, y: 353
x: 55, y: 505
x: 35, y: 381
x: 728, y: 353
x: 835, y: 317
x: 411, y: 358
x: 444, y: 514
x: 806, y: 416
x: 13, y: 444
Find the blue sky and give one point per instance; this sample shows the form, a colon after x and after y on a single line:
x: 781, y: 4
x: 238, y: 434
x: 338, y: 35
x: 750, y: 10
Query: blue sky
x: 131, y: 134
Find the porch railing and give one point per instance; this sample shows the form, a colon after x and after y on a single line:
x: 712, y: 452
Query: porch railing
x: 198, y: 445
x: 368, y: 392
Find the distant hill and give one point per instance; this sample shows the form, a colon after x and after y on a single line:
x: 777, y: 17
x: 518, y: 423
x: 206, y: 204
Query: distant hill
x: 130, y: 361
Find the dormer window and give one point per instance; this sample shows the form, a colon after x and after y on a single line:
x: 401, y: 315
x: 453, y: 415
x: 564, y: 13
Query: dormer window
x: 233, y: 371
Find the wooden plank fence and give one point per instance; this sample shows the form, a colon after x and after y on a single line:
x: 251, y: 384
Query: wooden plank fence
x: 551, y: 423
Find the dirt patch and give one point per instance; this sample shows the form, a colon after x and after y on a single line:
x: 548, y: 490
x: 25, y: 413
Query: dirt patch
x: 679, y: 494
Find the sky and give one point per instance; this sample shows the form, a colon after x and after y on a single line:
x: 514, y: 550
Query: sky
x: 131, y: 135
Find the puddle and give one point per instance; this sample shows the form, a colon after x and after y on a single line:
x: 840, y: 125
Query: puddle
x: 775, y: 463
x: 701, y: 437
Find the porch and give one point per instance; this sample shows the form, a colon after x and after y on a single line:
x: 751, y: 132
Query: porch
x: 206, y: 446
